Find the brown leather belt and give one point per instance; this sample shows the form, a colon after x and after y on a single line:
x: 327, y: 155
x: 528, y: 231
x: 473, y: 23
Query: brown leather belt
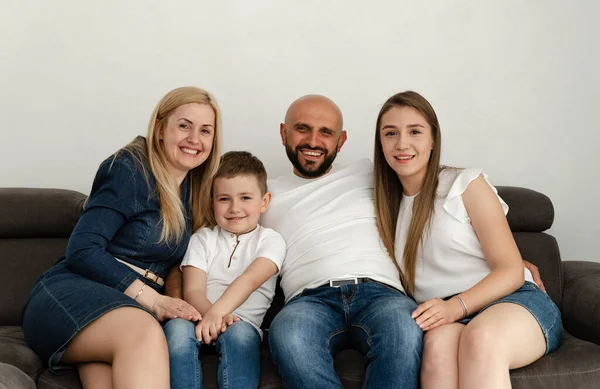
x: 147, y: 274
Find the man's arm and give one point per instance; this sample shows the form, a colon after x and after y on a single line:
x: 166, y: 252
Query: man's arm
x: 174, y: 283
x: 535, y: 273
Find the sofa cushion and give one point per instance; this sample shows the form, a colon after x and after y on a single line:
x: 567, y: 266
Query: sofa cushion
x: 542, y: 250
x: 49, y: 380
x: 22, y: 261
x: 14, y: 351
x: 13, y: 378
x: 575, y: 364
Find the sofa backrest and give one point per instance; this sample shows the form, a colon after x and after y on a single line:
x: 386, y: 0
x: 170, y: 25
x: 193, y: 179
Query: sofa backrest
x: 530, y: 214
x: 35, y: 225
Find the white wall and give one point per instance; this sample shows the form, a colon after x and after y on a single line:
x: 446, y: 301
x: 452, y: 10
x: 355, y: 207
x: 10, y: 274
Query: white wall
x: 514, y: 83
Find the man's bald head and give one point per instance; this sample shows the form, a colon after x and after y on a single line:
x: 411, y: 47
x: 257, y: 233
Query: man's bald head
x: 312, y: 134
x: 313, y: 102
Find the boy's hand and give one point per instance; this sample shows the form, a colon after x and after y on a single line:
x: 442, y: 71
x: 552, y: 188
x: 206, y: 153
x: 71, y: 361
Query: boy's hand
x: 207, y: 330
x: 228, y: 320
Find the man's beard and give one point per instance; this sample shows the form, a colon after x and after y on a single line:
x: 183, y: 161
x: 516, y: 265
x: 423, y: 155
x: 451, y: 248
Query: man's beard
x: 317, y: 171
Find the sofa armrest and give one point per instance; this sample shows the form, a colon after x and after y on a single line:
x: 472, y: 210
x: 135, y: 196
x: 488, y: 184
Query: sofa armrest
x: 581, y: 300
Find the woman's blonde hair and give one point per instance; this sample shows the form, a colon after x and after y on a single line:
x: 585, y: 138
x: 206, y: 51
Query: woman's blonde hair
x: 151, y: 150
x: 388, y: 189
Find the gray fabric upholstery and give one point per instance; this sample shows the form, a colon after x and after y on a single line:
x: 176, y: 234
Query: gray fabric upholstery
x: 542, y: 250
x: 575, y: 365
x: 529, y: 211
x: 581, y: 300
x: 13, y: 350
x: 13, y: 378
x: 33, y: 212
x: 34, y: 229
x: 23, y: 260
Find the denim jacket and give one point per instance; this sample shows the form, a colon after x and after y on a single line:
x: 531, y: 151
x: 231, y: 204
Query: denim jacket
x: 121, y: 219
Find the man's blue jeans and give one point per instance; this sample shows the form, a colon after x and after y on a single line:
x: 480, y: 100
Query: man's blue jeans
x: 371, y: 317
x: 239, y: 360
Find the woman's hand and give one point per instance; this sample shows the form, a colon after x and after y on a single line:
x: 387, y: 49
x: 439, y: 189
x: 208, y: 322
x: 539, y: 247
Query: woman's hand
x: 436, y: 312
x: 165, y: 308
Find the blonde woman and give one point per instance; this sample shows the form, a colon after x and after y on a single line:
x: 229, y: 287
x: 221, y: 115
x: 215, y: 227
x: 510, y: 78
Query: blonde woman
x: 99, y: 308
x: 446, y: 230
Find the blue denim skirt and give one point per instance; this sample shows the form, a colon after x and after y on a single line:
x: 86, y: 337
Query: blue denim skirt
x: 539, y: 304
x: 61, y: 304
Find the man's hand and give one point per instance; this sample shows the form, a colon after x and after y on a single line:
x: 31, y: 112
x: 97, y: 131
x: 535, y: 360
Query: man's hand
x: 535, y: 272
x: 436, y: 312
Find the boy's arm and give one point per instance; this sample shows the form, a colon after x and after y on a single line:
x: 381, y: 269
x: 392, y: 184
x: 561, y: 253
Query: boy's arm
x: 194, y: 288
x: 259, y: 271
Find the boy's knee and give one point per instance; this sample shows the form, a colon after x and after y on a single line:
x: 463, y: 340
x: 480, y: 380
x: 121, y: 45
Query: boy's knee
x: 240, y: 334
x: 180, y: 334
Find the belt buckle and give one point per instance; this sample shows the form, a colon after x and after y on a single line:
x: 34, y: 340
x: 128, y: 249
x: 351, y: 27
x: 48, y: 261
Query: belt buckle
x: 149, y: 274
x: 337, y: 282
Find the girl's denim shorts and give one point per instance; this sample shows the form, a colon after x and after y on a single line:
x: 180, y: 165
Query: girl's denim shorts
x: 539, y: 304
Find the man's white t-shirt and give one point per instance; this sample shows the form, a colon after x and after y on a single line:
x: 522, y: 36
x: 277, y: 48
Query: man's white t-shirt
x: 330, y: 229
x: 225, y: 256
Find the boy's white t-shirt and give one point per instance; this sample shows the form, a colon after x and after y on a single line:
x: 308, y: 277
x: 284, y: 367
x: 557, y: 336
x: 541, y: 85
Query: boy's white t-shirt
x: 330, y: 229
x: 225, y: 256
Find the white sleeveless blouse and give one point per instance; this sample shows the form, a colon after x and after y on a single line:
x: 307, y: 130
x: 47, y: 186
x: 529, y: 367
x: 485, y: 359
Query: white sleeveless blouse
x: 450, y: 259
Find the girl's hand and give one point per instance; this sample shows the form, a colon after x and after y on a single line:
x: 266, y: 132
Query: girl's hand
x: 165, y: 308
x: 436, y: 312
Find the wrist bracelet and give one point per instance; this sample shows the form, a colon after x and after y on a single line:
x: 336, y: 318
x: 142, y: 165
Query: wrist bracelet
x: 140, y: 292
x: 464, y: 306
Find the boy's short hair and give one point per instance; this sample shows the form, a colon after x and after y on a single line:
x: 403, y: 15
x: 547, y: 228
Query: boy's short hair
x: 243, y: 163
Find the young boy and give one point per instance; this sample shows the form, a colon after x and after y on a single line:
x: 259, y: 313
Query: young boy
x: 229, y: 276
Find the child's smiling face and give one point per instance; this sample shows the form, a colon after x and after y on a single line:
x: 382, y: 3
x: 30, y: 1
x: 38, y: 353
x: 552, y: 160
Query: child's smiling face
x: 238, y: 203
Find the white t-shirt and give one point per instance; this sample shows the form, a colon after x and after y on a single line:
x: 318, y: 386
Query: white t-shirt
x: 450, y: 259
x: 330, y: 229
x: 225, y: 256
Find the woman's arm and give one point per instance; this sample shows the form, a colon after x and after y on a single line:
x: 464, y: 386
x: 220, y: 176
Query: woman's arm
x: 111, y: 203
x: 500, y: 251
x: 259, y: 271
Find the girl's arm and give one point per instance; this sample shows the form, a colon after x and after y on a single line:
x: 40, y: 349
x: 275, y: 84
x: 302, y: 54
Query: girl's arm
x: 498, y: 245
x: 500, y: 251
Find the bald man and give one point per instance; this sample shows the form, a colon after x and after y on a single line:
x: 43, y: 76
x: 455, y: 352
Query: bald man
x: 340, y: 285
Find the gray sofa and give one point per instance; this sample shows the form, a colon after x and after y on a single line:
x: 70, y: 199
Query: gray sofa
x: 35, y: 225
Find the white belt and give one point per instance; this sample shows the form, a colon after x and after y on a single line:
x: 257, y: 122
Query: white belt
x: 147, y: 274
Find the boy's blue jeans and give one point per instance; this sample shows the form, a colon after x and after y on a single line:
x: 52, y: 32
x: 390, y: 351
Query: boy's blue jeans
x: 239, y: 360
x: 370, y: 317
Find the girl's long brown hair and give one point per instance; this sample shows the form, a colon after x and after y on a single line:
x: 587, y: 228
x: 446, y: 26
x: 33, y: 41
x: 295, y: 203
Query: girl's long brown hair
x: 388, y: 189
